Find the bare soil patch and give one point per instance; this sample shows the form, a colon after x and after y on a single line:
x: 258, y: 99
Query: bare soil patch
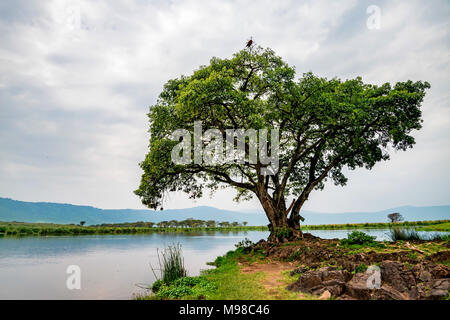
x: 273, y: 272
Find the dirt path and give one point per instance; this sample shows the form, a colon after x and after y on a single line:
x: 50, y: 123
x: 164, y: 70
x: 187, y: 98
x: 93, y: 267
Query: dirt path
x: 273, y: 275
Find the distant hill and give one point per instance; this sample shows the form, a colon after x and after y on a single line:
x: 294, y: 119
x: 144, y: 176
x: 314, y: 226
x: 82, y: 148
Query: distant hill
x: 13, y: 210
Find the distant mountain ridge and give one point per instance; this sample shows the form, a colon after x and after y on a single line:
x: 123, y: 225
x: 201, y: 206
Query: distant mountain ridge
x: 14, y: 210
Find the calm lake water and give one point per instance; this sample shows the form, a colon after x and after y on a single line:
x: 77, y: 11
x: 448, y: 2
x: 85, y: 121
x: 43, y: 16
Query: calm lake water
x: 111, y: 265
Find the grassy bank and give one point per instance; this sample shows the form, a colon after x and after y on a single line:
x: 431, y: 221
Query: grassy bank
x: 44, y: 229
x: 227, y: 282
x: 431, y: 225
x: 265, y: 271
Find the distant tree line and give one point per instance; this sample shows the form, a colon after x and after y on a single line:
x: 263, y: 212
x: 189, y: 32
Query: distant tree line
x: 395, y: 217
x: 187, y: 223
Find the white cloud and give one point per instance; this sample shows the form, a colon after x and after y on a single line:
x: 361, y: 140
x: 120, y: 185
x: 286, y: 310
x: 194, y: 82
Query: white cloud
x: 77, y: 77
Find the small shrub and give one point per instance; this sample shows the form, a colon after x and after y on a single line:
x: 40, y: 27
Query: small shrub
x: 358, y: 238
x: 25, y: 231
x: 246, y: 243
x: 361, y: 268
x: 294, y: 256
x: 157, y: 285
x: 283, y: 233
x: 407, y: 233
x: 171, y: 264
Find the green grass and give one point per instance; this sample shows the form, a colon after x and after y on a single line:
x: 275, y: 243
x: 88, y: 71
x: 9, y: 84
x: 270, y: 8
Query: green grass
x: 428, y: 247
x: 437, y: 227
x: 411, y: 233
x: 430, y: 225
x: 403, y: 233
x: 225, y: 282
x: 284, y: 294
x: 171, y: 265
x: 360, y: 268
x: 446, y: 263
x: 44, y: 229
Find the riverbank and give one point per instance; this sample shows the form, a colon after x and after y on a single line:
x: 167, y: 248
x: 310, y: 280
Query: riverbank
x: 315, y: 268
x: 430, y: 225
x: 46, y: 229
x: 230, y: 280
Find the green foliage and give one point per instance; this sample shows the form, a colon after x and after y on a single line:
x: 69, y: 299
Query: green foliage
x: 405, y: 233
x: 343, y: 123
x: 440, y: 237
x: 44, y: 229
x: 171, y: 264
x: 228, y: 258
x: 157, y: 285
x: 413, y: 255
x: 173, y: 292
x: 193, y: 287
x: 224, y: 281
x: 246, y: 243
x: 429, y: 225
x: 395, y: 217
x: 294, y: 256
x: 283, y: 233
x: 410, y: 233
x: 358, y: 238
x: 360, y: 268
x: 444, y: 226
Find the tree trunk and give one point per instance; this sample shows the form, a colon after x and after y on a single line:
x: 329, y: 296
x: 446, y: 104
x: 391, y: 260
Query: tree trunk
x: 281, y: 228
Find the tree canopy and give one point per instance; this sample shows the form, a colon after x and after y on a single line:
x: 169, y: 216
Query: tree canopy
x: 324, y: 126
x: 395, y: 217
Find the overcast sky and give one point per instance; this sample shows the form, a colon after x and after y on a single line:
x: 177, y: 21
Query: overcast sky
x: 77, y: 78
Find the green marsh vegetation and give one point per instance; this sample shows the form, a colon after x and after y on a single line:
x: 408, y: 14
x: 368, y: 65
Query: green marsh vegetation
x: 403, y: 233
x: 46, y: 229
x: 171, y: 266
x: 429, y: 225
x: 344, y: 123
x: 225, y: 281
x: 410, y: 233
x: 444, y: 226
x: 189, y: 225
x: 359, y: 238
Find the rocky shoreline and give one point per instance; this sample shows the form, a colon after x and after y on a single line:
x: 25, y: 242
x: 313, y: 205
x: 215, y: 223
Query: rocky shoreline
x: 397, y: 272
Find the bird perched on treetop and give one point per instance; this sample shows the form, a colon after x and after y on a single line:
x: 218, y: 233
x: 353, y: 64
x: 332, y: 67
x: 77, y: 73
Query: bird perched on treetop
x: 249, y: 43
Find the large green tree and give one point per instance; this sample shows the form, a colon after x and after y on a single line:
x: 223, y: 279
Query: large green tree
x: 325, y: 125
